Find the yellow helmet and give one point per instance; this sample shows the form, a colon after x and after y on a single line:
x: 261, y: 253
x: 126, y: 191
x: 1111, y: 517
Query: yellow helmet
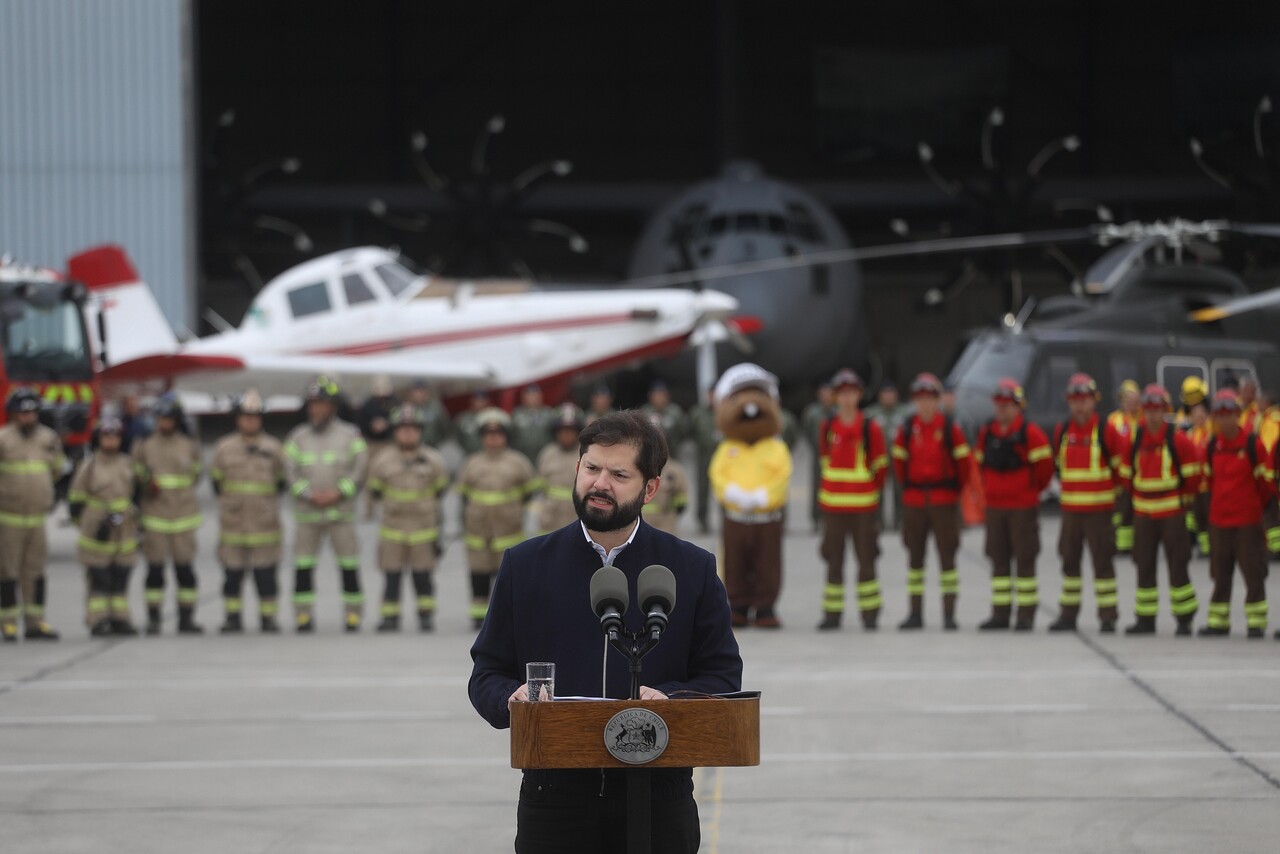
x: 1193, y: 391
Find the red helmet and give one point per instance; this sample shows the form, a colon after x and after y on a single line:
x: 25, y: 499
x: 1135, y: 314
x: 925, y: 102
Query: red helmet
x: 1226, y: 401
x: 1156, y: 396
x: 1009, y: 390
x: 847, y: 377
x: 926, y: 383
x: 1082, y: 385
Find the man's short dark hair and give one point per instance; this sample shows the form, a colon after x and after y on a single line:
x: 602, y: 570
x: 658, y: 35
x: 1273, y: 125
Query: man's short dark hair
x: 628, y: 427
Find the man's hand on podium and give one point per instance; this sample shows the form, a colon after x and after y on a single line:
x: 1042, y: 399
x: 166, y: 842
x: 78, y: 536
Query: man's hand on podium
x: 647, y: 693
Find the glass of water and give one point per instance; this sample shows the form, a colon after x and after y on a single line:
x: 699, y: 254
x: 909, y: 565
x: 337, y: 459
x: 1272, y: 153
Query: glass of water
x: 541, y: 678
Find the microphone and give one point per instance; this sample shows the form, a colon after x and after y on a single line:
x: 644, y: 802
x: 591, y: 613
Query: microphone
x: 609, y: 598
x: 656, y: 590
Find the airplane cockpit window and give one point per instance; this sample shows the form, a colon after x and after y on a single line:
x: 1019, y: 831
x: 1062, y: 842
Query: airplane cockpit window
x: 749, y: 222
x: 803, y: 226
x: 396, y: 278
x: 353, y: 285
x: 309, y: 299
x: 777, y: 224
x: 717, y: 225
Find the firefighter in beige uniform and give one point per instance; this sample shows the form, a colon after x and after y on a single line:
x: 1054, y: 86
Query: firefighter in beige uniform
x: 247, y: 471
x: 663, y: 512
x: 30, y: 461
x: 557, y: 469
x: 168, y: 467
x: 494, y: 484
x: 408, y: 478
x: 325, y: 464
x: 101, y: 501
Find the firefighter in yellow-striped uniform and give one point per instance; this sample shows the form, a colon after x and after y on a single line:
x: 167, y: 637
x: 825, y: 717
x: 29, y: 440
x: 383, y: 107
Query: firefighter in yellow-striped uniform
x: 31, y: 461
x: 247, y: 471
x: 101, y: 501
x: 557, y: 469
x: 1193, y: 419
x: 408, y: 478
x: 1124, y: 421
x: 326, y: 460
x: 168, y: 467
x: 1268, y: 431
x: 495, y: 483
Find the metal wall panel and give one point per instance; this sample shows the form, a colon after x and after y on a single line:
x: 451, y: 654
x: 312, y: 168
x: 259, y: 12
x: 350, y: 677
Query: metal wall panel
x: 94, y: 99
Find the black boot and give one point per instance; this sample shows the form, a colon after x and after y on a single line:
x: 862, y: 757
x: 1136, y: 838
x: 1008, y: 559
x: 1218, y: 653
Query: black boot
x: 994, y: 624
x: 41, y: 631
x: 1213, y: 632
x: 1107, y: 627
x: 765, y: 618
x: 232, y: 625
x: 1063, y: 624
x: 121, y: 626
x: 740, y: 616
x: 268, y: 625
x: 1256, y: 633
x: 390, y: 623
x: 831, y: 620
x: 153, y: 620
x: 187, y: 624
x: 914, y: 620
x: 426, y: 621
x: 1142, y: 626
x: 1184, y: 626
x: 949, y: 623
x: 101, y: 629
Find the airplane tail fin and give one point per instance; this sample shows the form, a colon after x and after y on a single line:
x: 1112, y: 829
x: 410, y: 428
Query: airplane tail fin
x: 125, y: 320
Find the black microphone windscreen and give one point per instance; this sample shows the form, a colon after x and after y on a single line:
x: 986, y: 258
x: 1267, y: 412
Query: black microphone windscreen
x: 609, y: 589
x: 656, y: 585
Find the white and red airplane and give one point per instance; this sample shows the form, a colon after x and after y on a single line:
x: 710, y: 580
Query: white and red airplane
x: 359, y: 313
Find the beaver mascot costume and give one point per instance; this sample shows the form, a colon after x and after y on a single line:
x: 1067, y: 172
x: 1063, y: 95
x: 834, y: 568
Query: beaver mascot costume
x: 750, y: 475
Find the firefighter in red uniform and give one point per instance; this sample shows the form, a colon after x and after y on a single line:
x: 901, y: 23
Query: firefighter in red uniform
x: 931, y: 462
x: 853, y: 464
x: 1250, y: 411
x: 1162, y: 472
x: 1017, y: 464
x: 1088, y: 463
x: 1240, y: 483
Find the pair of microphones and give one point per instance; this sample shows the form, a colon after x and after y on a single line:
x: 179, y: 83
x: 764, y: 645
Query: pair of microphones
x: 610, y: 597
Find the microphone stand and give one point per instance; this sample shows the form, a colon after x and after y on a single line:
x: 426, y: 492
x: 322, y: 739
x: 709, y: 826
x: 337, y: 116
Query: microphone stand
x: 635, y: 646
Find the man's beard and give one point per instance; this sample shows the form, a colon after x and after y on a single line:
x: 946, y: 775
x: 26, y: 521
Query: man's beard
x: 615, y: 519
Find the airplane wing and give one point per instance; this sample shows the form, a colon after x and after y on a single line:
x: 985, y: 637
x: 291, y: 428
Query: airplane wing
x: 286, y: 375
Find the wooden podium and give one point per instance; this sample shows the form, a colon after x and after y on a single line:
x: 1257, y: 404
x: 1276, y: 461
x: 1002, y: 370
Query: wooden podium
x: 704, y: 732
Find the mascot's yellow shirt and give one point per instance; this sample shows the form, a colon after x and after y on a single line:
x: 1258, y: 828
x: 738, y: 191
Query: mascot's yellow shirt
x: 765, y: 464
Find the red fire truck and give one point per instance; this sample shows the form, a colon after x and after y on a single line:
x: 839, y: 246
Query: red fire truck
x: 45, y: 345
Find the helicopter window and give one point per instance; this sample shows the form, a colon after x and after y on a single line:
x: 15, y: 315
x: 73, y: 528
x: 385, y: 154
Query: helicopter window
x: 1229, y: 372
x: 309, y: 299
x: 777, y: 225
x: 1048, y: 379
x: 397, y: 278
x: 356, y: 289
x: 718, y: 224
x: 748, y: 222
x: 1172, y: 370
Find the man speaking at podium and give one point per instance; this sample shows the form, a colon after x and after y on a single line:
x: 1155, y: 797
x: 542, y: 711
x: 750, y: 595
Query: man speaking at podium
x: 541, y: 610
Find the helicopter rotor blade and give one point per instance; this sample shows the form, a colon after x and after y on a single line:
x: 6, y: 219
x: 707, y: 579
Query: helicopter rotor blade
x: 1233, y: 307
x: 940, y: 246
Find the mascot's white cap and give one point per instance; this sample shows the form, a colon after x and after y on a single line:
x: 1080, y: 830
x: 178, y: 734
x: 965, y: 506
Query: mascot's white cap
x: 746, y: 375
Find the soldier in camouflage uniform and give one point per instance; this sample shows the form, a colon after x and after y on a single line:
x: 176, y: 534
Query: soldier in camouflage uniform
x: 706, y: 438
x: 168, y: 467
x: 671, y: 418
x: 101, y: 501
x: 408, y: 479
x: 494, y: 484
x: 247, y: 472
x: 437, y: 426
x: 557, y: 470
x: 326, y: 460
x: 531, y: 423
x: 31, y: 461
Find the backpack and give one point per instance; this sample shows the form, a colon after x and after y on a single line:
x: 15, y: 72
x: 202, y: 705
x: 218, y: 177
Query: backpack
x: 1000, y: 453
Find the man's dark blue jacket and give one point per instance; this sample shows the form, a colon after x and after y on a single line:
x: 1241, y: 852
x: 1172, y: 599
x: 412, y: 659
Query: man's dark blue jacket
x: 541, y: 611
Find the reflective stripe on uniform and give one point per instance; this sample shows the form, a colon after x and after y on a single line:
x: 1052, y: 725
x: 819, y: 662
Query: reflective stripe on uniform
x: 269, y: 538
x: 41, y: 467
x: 181, y: 525
x: 19, y: 520
x: 248, y: 487
x: 409, y: 538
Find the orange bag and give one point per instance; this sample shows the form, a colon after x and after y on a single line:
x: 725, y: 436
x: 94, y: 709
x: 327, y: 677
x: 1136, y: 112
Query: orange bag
x: 973, y: 503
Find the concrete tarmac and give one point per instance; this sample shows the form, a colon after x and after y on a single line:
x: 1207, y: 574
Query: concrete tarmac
x: 871, y: 742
